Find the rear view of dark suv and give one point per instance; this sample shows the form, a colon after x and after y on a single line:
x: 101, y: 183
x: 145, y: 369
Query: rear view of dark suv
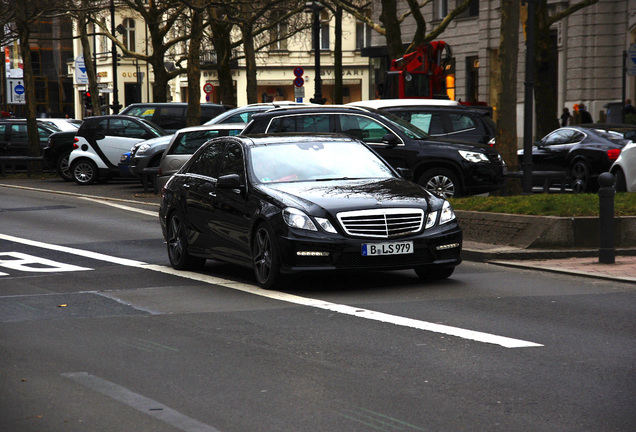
x: 444, y: 167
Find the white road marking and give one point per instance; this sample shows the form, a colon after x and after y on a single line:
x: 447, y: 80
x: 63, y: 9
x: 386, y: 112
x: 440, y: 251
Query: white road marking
x: 291, y: 298
x: 122, y: 207
x: 140, y: 403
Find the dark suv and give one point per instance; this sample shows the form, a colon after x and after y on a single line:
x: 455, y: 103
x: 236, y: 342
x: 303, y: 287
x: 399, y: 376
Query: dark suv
x: 441, y: 119
x: 171, y: 116
x: 443, y: 167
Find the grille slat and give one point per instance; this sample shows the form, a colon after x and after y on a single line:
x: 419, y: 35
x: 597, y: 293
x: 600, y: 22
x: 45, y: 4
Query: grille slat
x: 382, y: 223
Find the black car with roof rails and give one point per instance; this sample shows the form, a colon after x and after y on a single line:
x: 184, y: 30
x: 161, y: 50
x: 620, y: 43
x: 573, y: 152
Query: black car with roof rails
x: 172, y: 116
x: 446, y: 168
x: 14, y: 139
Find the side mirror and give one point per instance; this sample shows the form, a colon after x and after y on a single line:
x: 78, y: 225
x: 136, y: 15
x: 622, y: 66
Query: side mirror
x: 390, y: 139
x: 405, y: 173
x: 229, y: 181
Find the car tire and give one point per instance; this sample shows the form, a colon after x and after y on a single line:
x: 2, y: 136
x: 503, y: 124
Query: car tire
x: 441, y: 182
x: 84, y: 172
x: 620, y: 183
x: 63, y: 168
x: 433, y: 274
x: 177, y: 241
x: 265, y: 258
x: 580, y: 177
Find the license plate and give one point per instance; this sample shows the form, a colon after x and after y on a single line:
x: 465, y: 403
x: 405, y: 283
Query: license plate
x: 393, y: 248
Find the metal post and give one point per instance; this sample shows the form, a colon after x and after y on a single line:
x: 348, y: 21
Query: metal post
x: 624, y: 86
x: 115, y: 106
x: 606, y: 192
x: 528, y: 103
x: 316, y: 8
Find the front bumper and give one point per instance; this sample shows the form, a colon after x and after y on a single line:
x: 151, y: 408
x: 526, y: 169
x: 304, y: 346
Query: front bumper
x: 437, y: 247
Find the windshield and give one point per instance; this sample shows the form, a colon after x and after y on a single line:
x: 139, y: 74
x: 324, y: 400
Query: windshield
x: 315, y: 161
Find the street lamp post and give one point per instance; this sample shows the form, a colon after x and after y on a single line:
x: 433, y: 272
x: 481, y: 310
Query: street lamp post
x: 115, y: 106
x: 528, y: 102
x: 315, y: 8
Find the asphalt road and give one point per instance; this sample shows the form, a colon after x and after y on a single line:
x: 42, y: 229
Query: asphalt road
x: 98, y: 333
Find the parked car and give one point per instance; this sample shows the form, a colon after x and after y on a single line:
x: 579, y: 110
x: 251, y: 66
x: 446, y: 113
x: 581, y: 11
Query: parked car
x: 100, y: 142
x: 185, y: 142
x: 284, y: 204
x: 14, y: 140
x: 444, y: 167
x: 171, y: 116
x: 244, y: 114
x: 61, y: 124
x: 583, y: 152
x: 440, y: 118
x: 146, y: 154
x: 56, y: 153
x: 624, y: 169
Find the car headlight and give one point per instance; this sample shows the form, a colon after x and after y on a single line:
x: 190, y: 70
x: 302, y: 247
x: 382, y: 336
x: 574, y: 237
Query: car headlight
x: 142, y: 148
x: 447, y: 214
x: 430, y: 219
x: 473, y: 157
x: 326, y: 225
x: 297, y: 219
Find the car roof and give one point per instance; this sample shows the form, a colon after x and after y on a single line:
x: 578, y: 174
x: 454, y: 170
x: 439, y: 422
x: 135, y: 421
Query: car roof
x: 291, y: 137
x: 313, y: 109
x: 206, y: 127
x: 390, y: 103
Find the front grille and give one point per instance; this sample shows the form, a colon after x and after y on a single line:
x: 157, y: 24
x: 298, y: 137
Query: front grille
x: 382, y: 223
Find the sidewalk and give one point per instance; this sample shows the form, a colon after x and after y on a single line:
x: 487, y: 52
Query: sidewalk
x: 576, y: 262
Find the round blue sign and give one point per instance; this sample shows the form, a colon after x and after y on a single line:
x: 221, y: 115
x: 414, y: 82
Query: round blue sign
x: 19, y: 89
x: 299, y: 72
x: 298, y: 82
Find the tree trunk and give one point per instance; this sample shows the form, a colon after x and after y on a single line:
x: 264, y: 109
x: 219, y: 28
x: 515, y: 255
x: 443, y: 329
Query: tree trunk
x: 24, y: 34
x: 194, y: 70
x: 82, y: 23
x: 506, y: 134
x: 223, y: 46
x: 392, y: 25
x: 250, y: 62
x: 545, y: 88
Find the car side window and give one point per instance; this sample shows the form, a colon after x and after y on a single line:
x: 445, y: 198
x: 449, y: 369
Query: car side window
x: 233, y: 161
x: 125, y: 128
x: 207, y: 162
x: 3, y: 129
x: 244, y: 117
x: 430, y: 123
x: 189, y: 142
x: 363, y: 128
x: 461, y: 123
x: 557, y: 137
x: 19, y: 133
x: 169, y: 117
x: 301, y: 123
x: 44, y: 134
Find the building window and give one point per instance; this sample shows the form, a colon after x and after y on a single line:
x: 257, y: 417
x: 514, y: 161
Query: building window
x: 440, y: 9
x: 471, y: 11
x: 278, y: 37
x: 129, y: 34
x: 324, y: 31
x: 363, y: 35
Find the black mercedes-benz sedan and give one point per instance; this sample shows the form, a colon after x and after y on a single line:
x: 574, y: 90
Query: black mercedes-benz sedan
x: 284, y: 204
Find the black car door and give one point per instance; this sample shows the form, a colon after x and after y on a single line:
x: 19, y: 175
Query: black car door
x: 551, y: 154
x: 199, y: 193
x: 232, y: 214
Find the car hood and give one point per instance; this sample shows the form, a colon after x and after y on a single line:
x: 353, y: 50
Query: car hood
x: 343, y: 195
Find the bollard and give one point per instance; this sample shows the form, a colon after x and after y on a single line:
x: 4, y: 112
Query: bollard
x: 606, y: 192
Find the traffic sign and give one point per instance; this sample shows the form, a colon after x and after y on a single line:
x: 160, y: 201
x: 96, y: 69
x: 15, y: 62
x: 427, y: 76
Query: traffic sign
x: 208, y: 88
x: 299, y: 82
x: 299, y: 72
x: 631, y: 60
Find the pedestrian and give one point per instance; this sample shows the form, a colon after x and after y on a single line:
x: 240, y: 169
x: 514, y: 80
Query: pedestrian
x: 586, y: 117
x: 629, y: 108
x: 565, y: 117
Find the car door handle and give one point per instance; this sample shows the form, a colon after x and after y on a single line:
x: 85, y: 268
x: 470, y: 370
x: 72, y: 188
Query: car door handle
x: 186, y: 185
